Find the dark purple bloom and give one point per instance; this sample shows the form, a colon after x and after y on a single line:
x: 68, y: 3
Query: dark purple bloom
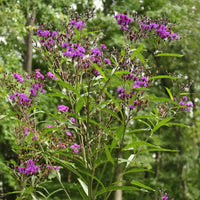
x: 73, y: 120
x: 175, y: 99
x: 120, y: 90
x: 26, y: 131
x: 68, y: 134
x: 54, y: 34
x: 55, y: 167
x: 38, y: 75
x: 123, y: 20
x: 103, y: 46
x: 12, y: 97
x: 63, y: 108
x: 79, y: 25
x: 23, y: 99
x: 95, y: 72
x: 52, y: 76
x: 33, y: 92
x: 131, y: 106
x: 75, y: 148
x: 164, y: 197
x: 107, y: 61
x: 18, y: 77
x: 46, y: 33
x: 181, y: 103
x: 95, y: 52
x: 190, y: 104
x: 136, y: 86
x: 184, y: 98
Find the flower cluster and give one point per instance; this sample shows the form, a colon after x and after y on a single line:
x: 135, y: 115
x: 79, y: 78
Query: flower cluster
x: 52, y: 76
x: 162, y: 30
x: 18, y: 77
x: 75, y: 148
x: 166, y: 197
x: 78, y: 25
x: 30, y: 168
x: 73, y: 52
x: 123, y: 20
x: 183, y: 102
x: 21, y: 98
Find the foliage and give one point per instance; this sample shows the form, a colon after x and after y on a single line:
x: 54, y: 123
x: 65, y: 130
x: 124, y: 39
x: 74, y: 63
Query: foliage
x: 104, y: 99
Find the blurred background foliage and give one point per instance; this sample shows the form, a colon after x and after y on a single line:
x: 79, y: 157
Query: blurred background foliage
x: 176, y: 173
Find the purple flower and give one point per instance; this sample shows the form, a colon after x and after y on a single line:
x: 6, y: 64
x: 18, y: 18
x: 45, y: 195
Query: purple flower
x: 63, y: 108
x: 23, y: 99
x: 181, y: 103
x: 131, y: 107
x: 184, y: 98
x: 123, y: 20
x: 107, y: 61
x: 21, y: 170
x: 75, y: 148
x: 52, y: 76
x: 144, y: 79
x: 25, y: 129
x: 12, y: 97
x: 46, y: 33
x: 49, y: 126
x: 68, y: 134
x: 120, y: 90
x: 103, y: 46
x: 72, y: 22
x: 49, y: 167
x: 18, y: 77
x: 136, y: 86
x: 189, y: 104
x: 79, y: 25
x: 95, y: 72
x: 175, y: 99
x: 73, y: 120
x: 54, y: 34
x: 164, y: 197
x: 33, y: 92
x: 30, y: 169
x: 95, y: 52
x: 55, y: 167
x: 38, y: 75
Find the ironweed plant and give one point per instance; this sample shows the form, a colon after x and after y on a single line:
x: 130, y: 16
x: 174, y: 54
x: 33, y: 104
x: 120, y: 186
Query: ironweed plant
x: 101, y: 94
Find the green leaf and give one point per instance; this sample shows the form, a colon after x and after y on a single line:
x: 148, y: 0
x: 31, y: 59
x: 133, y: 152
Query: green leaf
x: 84, y: 186
x: 162, y: 99
x: 169, y: 54
x: 170, y: 94
x: 177, y: 124
x: 99, y: 69
x: 114, y: 188
x: 77, y: 35
x: 158, y: 149
x: 141, y: 185
x: 80, y: 103
x: 161, y: 123
x: 136, y: 171
x: 108, y: 154
x: 163, y: 76
x: 52, y: 193
x: 114, y: 101
x: 68, y: 86
x: 139, y: 143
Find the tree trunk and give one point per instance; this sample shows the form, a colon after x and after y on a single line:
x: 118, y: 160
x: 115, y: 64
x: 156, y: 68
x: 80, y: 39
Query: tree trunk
x: 30, y: 19
x: 119, y: 178
x: 106, y: 6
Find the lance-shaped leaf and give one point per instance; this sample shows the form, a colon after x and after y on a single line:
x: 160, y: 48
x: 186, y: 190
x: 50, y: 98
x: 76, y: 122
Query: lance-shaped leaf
x: 141, y: 185
x: 169, y: 54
